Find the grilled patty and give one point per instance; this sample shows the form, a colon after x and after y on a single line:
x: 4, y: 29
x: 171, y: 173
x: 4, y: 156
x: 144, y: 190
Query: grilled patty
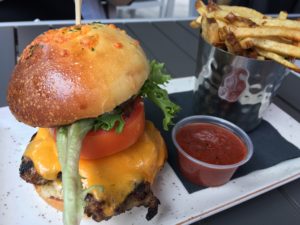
x: 141, y: 195
x: 29, y: 173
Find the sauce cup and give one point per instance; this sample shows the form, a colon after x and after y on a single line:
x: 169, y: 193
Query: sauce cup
x: 203, y: 173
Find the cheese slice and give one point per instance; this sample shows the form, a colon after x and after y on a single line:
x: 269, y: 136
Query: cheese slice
x: 118, y: 173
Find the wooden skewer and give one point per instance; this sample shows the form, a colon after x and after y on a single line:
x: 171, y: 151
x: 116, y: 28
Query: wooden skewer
x: 78, y: 11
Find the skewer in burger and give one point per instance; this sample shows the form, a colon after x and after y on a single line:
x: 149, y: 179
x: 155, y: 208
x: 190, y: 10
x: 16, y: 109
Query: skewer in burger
x: 83, y: 87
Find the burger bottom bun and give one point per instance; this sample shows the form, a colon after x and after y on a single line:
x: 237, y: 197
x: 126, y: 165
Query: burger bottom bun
x: 54, y: 202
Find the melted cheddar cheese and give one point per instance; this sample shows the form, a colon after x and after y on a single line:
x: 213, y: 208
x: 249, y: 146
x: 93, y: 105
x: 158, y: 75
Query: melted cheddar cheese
x: 42, y: 151
x: 118, y: 173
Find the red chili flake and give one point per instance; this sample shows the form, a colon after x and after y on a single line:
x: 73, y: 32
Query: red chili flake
x: 118, y: 45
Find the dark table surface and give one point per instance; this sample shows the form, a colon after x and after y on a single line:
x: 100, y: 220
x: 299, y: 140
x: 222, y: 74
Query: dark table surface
x: 175, y: 43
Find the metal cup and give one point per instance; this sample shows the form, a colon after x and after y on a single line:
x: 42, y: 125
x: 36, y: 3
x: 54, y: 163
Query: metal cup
x: 234, y: 87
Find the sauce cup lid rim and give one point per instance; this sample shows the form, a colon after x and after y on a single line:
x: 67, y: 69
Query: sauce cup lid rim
x: 220, y: 122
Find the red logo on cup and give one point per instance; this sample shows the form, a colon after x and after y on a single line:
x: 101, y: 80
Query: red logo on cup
x: 233, y: 84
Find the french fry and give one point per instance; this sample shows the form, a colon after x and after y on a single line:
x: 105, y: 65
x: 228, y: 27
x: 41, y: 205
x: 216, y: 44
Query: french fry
x: 198, y: 20
x: 222, y: 34
x: 221, y: 23
x: 201, y: 7
x: 239, y: 21
x: 243, y: 11
x: 296, y: 43
x: 195, y: 24
x: 231, y: 18
x: 291, y: 24
x: 278, y: 58
x: 282, y: 15
x: 210, y: 30
x: 265, y: 32
x: 283, y: 40
x: 218, y: 15
x: 231, y: 42
x: 273, y: 46
x: 260, y: 57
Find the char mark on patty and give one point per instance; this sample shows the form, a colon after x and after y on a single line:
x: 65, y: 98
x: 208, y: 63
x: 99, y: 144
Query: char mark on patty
x: 29, y: 173
x: 140, y: 196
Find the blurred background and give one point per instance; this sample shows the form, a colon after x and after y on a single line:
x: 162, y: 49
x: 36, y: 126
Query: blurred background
x: 29, y: 10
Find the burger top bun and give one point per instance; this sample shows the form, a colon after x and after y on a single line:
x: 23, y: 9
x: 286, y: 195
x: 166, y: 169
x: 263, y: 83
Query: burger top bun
x: 75, y: 72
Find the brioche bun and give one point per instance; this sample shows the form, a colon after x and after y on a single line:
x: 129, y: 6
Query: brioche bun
x: 54, y: 202
x: 74, y: 73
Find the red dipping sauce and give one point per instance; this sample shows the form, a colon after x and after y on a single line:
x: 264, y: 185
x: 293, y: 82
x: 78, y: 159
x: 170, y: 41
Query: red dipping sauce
x: 210, y: 149
x: 211, y: 143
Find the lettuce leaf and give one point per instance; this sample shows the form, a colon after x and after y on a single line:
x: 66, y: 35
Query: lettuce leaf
x: 154, y: 92
x: 69, y: 141
x: 108, y: 121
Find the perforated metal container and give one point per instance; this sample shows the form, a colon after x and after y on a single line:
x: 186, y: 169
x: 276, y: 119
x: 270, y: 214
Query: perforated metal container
x: 233, y: 87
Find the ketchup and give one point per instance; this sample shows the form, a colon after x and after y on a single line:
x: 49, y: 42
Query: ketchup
x: 211, y: 143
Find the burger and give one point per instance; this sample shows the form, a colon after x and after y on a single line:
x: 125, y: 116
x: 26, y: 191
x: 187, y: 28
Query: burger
x: 94, y: 153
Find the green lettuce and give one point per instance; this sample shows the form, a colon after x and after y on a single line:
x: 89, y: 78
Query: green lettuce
x: 69, y: 141
x: 108, y: 121
x: 159, y: 96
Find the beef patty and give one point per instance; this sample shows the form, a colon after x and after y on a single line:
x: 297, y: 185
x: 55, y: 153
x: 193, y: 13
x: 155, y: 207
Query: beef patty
x: 141, y: 195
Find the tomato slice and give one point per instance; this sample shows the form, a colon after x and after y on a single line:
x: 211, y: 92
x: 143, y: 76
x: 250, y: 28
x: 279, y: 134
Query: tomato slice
x: 98, y: 144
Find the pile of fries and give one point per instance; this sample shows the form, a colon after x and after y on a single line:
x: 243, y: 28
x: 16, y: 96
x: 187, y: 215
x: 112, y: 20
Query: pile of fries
x: 244, y: 31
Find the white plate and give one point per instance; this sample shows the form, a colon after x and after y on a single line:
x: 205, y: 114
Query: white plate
x: 19, y: 203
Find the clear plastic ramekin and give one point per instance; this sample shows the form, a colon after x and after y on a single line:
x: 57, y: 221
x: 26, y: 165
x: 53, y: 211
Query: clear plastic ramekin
x: 206, y: 174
